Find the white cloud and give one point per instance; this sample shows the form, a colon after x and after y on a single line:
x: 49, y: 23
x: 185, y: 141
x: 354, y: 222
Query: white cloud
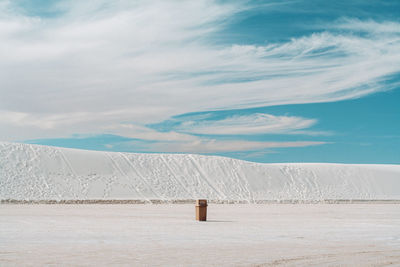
x: 23, y: 125
x: 101, y: 64
x: 368, y: 26
x: 145, y: 133
x: 258, y: 123
x: 177, y: 142
x: 217, y: 146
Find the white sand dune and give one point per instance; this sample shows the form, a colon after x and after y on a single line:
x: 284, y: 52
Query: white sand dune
x: 33, y: 172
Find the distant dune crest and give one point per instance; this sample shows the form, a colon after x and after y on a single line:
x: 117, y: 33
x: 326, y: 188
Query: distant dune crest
x: 33, y: 172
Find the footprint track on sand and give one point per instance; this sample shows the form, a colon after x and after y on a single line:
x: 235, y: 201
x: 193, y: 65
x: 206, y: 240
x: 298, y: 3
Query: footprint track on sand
x: 34, y: 172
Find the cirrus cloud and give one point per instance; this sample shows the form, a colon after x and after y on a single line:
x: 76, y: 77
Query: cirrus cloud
x: 256, y: 123
x: 98, y: 65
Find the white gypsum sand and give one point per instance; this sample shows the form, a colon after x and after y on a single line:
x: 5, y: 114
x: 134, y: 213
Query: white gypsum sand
x: 34, y: 172
x: 168, y: 235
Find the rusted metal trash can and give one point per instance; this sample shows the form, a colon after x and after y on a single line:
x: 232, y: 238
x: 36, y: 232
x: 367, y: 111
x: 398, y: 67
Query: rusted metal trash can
x: 201, y: 209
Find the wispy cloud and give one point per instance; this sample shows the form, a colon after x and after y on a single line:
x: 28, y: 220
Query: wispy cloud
x: 367, y: 26
x: 217, y: 146
x: 100, y: 64
x: 257, y: 123
x: 148, y: 134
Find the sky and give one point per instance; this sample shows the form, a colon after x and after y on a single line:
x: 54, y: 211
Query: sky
x: 263, y: 81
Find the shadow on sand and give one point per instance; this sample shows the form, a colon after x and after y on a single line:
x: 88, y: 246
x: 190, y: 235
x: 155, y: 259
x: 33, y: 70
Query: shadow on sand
x: 218, y: 221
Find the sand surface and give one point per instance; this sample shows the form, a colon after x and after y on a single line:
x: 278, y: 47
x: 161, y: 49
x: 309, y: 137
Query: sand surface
x: 168, y: 235
x: 32, y: 172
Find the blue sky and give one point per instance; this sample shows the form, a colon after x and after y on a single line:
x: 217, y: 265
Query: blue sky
x: 265, y: 81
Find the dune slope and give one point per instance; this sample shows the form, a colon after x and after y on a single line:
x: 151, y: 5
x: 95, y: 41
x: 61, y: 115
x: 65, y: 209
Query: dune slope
x: 33, y: 172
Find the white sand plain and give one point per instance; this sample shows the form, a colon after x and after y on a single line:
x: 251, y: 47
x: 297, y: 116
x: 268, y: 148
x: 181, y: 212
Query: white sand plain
x: 168, y: 235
